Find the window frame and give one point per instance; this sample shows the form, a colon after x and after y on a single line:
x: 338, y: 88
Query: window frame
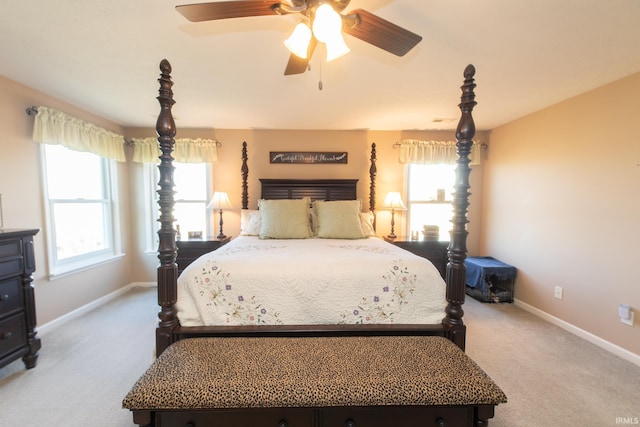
x: 111, y: 225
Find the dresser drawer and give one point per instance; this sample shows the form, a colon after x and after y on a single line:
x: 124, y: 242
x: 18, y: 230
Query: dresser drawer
x: 11, y: 260
x: 286, y: 417
x: 10, y: 296
x: 406, y: 416
x: 11, y: 248
x: 12, y: 334
x: 11, y: 267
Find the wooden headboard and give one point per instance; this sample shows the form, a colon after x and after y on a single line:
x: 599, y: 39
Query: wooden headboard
x: 316, y: 189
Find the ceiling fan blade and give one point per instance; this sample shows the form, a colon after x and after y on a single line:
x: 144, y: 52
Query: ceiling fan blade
x: 379, y: 32
x: 226, y: 9
x: 297, y: 65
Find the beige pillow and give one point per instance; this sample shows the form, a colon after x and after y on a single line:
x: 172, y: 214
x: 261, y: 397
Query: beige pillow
x: 339, y: 219
x: 250, y: 220
x: 284, y: 219
x: 313, y: 218
x: 366, y: 223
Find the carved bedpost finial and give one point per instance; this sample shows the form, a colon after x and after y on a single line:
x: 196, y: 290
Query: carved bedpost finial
x: 167, y: 251
x: 165, y: 126
x: 245, y: 174
x: 466, y: 126
x: 165, y: 67
x: 456, y: 270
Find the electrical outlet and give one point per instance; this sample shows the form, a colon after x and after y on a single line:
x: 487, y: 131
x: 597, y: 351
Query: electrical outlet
x: 558, y: 292
x: 628, y: 321
x: 626, y: 314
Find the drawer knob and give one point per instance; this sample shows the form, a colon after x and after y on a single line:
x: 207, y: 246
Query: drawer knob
x: 350, y: 423
x: 4, y: 297
x: 283, y: 423
x: 441, y: 422
x: 6, y: 335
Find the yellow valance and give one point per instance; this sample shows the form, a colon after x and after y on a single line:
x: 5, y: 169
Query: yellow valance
x: 57, y: 128
x: 434, y: 152
x: 186, y: 150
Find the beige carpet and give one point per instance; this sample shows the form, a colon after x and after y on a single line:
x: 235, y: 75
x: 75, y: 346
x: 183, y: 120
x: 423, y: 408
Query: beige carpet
x: 551, y: 377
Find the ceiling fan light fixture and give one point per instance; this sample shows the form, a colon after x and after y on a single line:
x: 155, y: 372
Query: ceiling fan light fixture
x: 327, y: 23
x: 336, y: 47
x: 298, y: 41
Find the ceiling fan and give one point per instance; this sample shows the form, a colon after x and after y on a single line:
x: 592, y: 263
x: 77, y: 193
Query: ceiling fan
x: 322, y: 21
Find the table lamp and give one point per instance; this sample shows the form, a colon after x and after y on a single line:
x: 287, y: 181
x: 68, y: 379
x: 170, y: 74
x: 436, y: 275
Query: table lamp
x: 220, y: 201
x: 394, y: 202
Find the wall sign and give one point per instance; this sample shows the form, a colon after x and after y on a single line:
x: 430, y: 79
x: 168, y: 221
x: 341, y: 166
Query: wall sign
x: 307, y: 157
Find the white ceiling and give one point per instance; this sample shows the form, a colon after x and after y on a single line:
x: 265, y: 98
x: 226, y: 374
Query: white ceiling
x: 103, y: 56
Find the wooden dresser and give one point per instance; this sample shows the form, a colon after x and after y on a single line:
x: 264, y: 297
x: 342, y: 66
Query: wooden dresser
x: 17, y: 302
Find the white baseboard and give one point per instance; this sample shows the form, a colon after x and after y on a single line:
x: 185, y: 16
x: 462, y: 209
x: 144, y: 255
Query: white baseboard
x: 594, y: 339
x: 91, y: 306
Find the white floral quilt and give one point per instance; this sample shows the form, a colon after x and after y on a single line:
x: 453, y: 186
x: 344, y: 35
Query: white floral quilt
x: 310, y: 281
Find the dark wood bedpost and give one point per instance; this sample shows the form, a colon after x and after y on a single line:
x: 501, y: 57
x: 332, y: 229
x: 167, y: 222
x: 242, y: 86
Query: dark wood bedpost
x: 456, y: 270
x: 373, y: 171
x: 167, y: 251
x: 245, y: 173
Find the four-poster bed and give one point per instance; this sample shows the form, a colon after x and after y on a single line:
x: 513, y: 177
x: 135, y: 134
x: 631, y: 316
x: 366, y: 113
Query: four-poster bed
x: 170, y: 330
x: 327, y: 373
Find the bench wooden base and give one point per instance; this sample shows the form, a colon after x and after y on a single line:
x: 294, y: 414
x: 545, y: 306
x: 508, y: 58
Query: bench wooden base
x: 452, y: 416
x: 313, y: 382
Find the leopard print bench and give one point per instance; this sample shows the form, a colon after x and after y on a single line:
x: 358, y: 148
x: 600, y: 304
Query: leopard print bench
x: 314, y: 381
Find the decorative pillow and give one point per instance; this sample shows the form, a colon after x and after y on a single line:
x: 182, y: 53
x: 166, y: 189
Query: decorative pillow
x: 250, y: 220
x: 366, y: 223
x: 285, y: 219
x: 339, y: 219
x: 313, y: 219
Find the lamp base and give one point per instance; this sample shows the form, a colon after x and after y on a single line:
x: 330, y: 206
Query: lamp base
x: 392, y: 235
x: 220, y: 235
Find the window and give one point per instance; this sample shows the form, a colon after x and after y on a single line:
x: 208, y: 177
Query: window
x: 429, y: 197
x: 191, y: 184
x: 191, y: 198
x: 81, y: 210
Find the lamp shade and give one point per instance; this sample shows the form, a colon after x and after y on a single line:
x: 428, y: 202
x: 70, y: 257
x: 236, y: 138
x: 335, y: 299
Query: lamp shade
x: 220, y: 201
x: 394, y: 201
x: 298, y: 41
x: 336, y: 47
x: 326, y: 23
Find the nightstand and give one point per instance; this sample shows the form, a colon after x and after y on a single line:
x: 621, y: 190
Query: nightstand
x: 433, y: 250
x: 189, y: 250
